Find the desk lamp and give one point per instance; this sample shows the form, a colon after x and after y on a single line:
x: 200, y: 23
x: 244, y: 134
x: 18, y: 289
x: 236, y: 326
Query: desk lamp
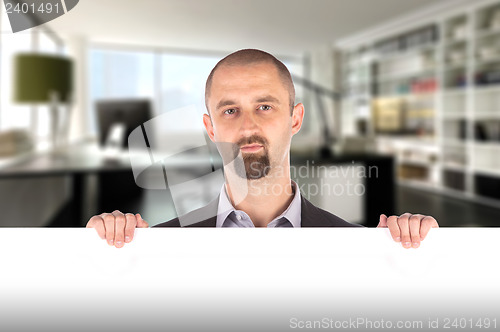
x: 46, y: 79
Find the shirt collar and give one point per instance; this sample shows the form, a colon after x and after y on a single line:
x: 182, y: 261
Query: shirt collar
x: 292, y: 212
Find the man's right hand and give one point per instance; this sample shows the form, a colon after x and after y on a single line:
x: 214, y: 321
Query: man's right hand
x: 117, y: 228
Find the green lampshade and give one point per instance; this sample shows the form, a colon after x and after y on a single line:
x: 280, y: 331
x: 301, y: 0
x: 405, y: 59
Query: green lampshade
x: 37, y: 76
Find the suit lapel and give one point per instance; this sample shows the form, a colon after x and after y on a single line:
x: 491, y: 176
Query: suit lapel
x: 201, y: 214
x: 310, y: 215
x: 210, y: 222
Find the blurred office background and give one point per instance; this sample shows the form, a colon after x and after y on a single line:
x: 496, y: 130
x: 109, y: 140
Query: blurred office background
x: 407, y: 86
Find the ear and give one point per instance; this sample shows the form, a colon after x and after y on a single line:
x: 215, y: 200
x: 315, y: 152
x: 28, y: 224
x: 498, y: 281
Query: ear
x: 297, y: 118
x: 207, y: 122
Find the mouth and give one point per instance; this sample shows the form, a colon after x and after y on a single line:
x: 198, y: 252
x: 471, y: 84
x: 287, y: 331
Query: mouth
x: 250, y: 148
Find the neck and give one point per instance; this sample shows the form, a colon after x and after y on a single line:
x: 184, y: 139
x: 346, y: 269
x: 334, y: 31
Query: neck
x: 263, y: 199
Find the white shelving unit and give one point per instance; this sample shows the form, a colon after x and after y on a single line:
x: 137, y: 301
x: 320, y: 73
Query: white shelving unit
x: 433, y: 101
x: 357, y: 83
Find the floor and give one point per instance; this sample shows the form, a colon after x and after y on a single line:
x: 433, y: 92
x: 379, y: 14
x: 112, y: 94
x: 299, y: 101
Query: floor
x: 448, y: 211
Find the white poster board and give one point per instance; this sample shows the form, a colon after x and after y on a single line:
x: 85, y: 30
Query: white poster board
x: 248, y: 280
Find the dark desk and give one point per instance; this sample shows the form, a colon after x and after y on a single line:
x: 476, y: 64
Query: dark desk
x: 79, y: 162
x: 115, y: 176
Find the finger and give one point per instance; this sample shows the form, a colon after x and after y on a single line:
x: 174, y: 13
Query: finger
x: 427, y: 223
x: 414, y: 223
x: 109, y: 224
x: 119, y: 229
x: 141, y: 223
x: 404, y: 230
x: 97, y: 223
x: 382, y: 221
x: 130, y: 227
x: 392, y: 223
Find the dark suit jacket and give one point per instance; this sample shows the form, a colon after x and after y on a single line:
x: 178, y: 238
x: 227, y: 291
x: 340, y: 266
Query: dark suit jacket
x: 311, y: 216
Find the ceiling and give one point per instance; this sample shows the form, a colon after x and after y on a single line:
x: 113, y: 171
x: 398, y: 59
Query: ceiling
x: 287, y: 27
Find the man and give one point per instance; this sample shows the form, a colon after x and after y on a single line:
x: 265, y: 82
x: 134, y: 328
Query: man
x: 250, y: 98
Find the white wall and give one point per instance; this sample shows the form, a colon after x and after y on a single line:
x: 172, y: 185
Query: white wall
x: 323, y: 71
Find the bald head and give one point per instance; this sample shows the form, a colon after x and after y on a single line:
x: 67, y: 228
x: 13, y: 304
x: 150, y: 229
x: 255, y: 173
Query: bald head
x: 250, y: 57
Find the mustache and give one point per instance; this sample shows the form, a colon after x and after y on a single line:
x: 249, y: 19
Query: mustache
x: 254, y: 139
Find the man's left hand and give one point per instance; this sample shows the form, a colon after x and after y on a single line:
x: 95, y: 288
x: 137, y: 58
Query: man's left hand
x: 409, y: 229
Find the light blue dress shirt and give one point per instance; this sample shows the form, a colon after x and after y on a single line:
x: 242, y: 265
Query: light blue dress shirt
x: 228, y: 216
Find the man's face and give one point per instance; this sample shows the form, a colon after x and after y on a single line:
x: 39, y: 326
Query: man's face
x: 249, y: 107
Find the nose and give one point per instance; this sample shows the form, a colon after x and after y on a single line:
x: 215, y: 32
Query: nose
x: 248, y: 124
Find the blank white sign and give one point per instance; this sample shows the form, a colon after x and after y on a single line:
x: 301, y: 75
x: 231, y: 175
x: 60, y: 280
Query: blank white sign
x: 247, y: 280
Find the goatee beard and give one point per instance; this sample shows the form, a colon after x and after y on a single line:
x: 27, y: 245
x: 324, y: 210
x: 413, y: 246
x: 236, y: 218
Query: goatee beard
x: 256, y: 166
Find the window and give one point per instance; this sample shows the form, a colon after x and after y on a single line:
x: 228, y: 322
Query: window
x: 170, y: 80
x: 120, y: 74
x: 183, y: 79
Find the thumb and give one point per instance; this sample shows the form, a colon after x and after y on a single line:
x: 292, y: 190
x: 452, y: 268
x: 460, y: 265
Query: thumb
x: 141, y: 223
x: 382, y: 221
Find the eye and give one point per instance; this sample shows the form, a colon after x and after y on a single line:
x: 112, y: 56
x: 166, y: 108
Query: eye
x: 230, y: 111
x: 264, y: 107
